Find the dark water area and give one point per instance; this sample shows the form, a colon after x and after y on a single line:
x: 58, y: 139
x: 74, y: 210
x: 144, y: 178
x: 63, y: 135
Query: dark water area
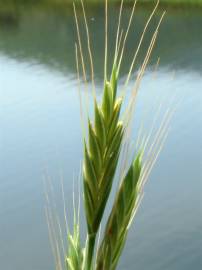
x: 40, y: 131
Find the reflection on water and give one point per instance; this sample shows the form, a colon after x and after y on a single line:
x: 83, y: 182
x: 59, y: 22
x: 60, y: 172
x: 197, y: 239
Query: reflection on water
x: 40, y: 134
x: 52, y: 38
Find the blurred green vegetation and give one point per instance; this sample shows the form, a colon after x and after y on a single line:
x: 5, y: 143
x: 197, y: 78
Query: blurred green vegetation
x: 68, y: 2
x: 48, y: 37
x: 41, y: 31
x: 11, y: 10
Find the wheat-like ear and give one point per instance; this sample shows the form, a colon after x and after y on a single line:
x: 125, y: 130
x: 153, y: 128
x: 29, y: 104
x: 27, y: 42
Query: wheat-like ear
x: 102, y: 149
x: 101, y: 154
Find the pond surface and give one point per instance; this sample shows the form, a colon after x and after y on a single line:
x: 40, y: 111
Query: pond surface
x: 40, y: 134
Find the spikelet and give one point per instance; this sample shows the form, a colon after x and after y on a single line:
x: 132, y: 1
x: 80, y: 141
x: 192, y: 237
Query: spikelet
x: 74, y: 258
x: 117, y: 226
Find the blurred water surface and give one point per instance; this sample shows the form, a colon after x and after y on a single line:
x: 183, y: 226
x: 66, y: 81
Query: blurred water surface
x: 40, y: 133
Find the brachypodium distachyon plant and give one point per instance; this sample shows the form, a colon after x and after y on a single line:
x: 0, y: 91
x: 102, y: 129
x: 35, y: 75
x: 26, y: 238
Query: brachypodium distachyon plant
x: 103, y: 144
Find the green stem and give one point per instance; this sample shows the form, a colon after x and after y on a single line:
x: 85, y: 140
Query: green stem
x: 90, y: 250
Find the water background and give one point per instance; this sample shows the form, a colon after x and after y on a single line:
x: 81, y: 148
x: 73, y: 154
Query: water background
x: 40, y: 132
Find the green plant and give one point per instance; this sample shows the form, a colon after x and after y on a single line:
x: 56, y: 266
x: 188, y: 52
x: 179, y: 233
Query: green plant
x: 103, y: 145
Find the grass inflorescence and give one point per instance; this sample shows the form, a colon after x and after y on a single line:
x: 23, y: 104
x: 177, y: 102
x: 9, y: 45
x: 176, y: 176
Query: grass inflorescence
x: 105, y: 148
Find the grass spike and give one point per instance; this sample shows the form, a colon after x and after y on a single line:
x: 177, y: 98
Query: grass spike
x: 106, y: 134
